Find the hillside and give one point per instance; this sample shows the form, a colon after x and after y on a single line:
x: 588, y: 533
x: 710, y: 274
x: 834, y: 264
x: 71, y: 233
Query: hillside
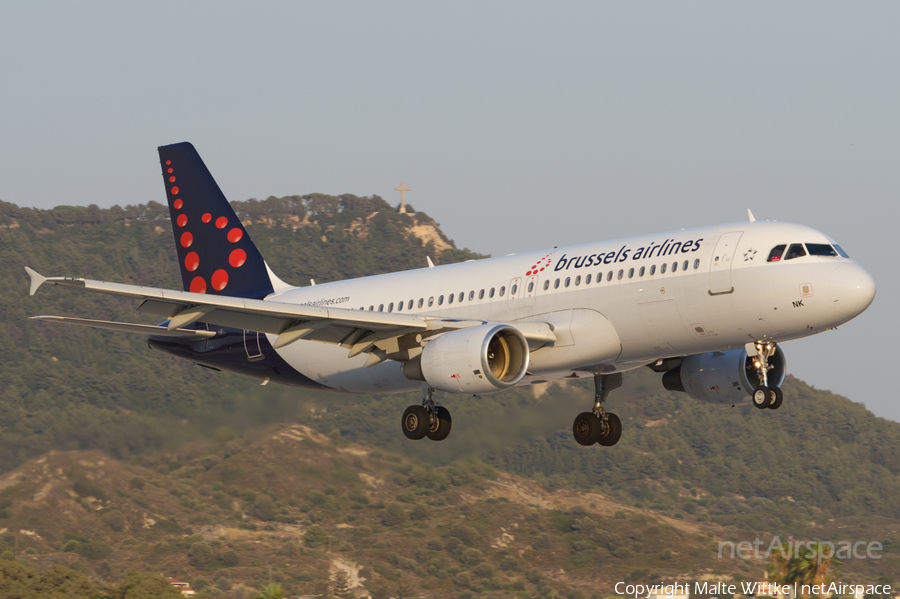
x: 685, y: 476
x: 293, y: 506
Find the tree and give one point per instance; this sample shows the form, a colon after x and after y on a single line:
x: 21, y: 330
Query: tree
x: 392, y: 515
x: 270, y: 591
x: 341, y: 584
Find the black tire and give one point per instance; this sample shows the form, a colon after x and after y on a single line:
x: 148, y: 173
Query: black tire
x: 586, y: 428
x: 613, y: 431
x: 415, y: 422
x: 761, y: 397
x: 778, y: 398
x: 440, y: 426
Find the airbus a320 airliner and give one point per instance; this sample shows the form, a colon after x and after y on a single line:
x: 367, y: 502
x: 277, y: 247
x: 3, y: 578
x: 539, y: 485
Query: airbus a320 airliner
x: 706, y: 307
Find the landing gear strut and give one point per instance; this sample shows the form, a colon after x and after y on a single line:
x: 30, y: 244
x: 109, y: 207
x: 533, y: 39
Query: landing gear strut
x: 764, y: 396
x: 427, y: 420
x: 599, y: 426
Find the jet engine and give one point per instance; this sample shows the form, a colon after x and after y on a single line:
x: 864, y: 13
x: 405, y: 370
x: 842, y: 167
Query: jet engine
x: 726, y: 377
x: 478, y: 360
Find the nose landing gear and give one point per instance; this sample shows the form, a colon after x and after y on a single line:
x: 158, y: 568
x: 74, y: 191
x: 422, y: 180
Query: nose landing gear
x: 599, y: 426
x: 764, y: 396
x: 427, y: 420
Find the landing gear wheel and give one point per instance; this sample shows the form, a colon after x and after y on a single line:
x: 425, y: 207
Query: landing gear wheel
x: 440, y: 424
x: 586, y: 428
x: 613, y: 432
x: 761, y: 397
x: 778, y: 398
x: 416, y: 422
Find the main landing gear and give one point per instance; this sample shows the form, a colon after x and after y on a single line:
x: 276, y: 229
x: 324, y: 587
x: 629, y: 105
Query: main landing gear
x: 599, y: 426
x: 764, y: 396
x: 426, y: 420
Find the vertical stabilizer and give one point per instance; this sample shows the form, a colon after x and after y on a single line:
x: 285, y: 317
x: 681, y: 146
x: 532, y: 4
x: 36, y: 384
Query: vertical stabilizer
x: 215, y: 253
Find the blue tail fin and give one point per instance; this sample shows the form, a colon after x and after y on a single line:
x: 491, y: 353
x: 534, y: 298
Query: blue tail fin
x: 215, y: 252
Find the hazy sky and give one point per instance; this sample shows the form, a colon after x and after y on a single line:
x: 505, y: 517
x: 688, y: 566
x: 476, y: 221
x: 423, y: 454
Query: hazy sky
x: 517, y: 125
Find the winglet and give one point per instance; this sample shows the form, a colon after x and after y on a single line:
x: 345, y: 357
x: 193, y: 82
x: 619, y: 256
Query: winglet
x: 430, y: 263
x: 36, y: 280
x: 750, y: 214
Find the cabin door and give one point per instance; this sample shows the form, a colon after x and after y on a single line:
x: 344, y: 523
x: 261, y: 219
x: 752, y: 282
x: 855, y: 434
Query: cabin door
x: 720, y: 263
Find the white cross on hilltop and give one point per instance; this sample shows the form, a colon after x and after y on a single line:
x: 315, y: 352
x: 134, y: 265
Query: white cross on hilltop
x: 402, y: 189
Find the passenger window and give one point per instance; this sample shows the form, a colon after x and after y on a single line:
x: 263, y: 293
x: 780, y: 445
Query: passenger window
x: 652, y: 270
x: 556, y: 284
x: 621, y: 274
x: 568, y: 280
x: 502, y: 291
x: 775, y: 254
x: 674, y: 266
x: 546, y: 284
x: 696, y: 263
x: 461, y: 295
x: 371, y: 308
x: 441, y: 301
x: 820, y: 249
x: 795, y: 251
x: 421, y: 302
x: 391, y: 307
x: 662, y: 269
x: 381, y: 307
x: 430, y: 301
x: 630, y: 273
x: 530, y: 286
x: 578, y: 280
x: 471, y: 295
x: 685, y: 265
x: 514, y: 289
x: 399, y: 306
x: 641, y: 273
x: 587, y: 280
x: 450, y: 298
x: 481, y: 294
x: 609, y: 276
x: 491, y: 293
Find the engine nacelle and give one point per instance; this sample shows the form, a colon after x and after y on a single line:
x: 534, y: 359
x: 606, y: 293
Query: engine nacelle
x: 726, y: 377
x: 477, y: 360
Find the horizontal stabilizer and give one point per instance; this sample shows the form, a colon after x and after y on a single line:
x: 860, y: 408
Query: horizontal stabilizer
x: 36, y: 280
x: 143, y: 329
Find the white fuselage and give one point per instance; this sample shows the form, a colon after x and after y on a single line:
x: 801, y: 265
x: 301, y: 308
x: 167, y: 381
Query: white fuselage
x: 614, y: 306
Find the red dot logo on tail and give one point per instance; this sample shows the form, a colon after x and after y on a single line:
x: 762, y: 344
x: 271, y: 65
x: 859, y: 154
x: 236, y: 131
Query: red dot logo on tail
x: 198, y: 285
x: 221, y: 222
x: 206, y: 217
x: 192, y: 261
x: 219, y: 280
x: 235, y: 235
x: 186, y: 239
x: 181, y: 220
x: 237, y: 258
x: 178, y: 204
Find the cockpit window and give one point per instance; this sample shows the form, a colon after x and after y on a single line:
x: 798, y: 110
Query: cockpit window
x: 820, y: 249
x: 775, y: 254
x: 795, y: 251
x: 841, y: 251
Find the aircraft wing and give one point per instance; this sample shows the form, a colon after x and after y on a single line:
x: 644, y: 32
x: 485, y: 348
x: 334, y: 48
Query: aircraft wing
x: 384, y: 335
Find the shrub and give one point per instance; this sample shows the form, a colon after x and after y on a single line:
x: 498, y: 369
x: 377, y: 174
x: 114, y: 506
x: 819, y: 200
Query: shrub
x: 200, y: 555
x: 483, y: 570
x: 463, y: 580
x: 114, y: 519
x: 392, y: 515
x: 509, y: 564
x: 94, y: 550
x: 315, y: 536
x: 471, y: 557
x: 420, y: 512
x: 316, y: 497
x: 228, y: 559
x: 87, y: 488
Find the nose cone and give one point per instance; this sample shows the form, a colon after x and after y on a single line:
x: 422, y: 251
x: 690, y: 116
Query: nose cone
x: 852, y: 289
